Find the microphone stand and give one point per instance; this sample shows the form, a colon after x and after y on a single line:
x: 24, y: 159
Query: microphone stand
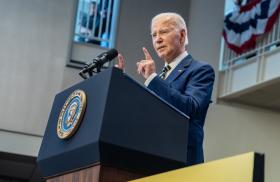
x: 95, y: 67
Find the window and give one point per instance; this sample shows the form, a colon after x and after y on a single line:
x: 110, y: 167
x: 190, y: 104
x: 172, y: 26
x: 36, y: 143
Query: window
x: 95, y: 22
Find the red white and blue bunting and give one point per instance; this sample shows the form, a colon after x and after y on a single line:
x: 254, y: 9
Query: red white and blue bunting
x: 244, y: 25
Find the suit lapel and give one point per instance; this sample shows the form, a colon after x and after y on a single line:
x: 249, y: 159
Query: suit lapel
x: 179, y: 69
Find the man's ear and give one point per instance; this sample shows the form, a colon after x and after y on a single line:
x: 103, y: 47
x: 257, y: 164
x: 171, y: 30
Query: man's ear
x: 184, y: 38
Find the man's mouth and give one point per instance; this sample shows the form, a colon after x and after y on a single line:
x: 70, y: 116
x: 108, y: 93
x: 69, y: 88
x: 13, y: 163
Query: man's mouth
x: 160, y: 48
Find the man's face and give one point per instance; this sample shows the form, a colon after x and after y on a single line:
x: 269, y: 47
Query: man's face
x: 168, y: 40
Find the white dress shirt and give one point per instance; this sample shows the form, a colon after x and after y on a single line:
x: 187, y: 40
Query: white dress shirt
x: 173, y: 65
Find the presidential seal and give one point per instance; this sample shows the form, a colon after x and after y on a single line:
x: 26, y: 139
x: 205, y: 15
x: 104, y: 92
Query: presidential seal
x: 71, y: 114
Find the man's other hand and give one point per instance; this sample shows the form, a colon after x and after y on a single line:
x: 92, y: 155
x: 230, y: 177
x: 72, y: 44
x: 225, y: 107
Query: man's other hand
x: 121, y: 63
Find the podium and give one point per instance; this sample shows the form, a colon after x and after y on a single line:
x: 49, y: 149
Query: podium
x: 126, y: 132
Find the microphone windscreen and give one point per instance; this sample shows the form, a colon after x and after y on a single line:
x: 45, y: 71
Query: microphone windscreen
x: 111, y: 54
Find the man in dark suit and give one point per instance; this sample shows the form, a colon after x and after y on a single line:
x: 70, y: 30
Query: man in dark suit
x: 184, y: 82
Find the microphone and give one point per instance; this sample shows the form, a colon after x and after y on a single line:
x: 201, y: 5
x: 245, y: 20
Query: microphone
x: 106, y: 56
x: 98, y: 62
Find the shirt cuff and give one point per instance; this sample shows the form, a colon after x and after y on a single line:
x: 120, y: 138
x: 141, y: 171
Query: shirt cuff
x: 149, y: 79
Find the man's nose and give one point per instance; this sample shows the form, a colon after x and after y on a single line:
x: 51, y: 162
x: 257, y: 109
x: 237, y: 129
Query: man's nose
x: 158, y: 39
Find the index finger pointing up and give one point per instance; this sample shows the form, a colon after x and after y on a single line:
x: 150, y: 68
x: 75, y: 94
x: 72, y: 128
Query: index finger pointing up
x: 147, y: 54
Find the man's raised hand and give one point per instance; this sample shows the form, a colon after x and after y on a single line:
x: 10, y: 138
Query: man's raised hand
x: 147, y: 66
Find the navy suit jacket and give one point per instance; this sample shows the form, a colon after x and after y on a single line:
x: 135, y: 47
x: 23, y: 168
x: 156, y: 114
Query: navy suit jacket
x: 189, y: 88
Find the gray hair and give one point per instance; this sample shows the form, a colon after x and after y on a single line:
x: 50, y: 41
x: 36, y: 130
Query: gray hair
x: 176, y: 19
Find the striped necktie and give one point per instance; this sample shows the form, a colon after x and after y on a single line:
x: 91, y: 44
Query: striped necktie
x: 164, y: 71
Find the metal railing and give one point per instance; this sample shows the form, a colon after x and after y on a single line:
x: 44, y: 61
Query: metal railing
x: 93, y: 22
